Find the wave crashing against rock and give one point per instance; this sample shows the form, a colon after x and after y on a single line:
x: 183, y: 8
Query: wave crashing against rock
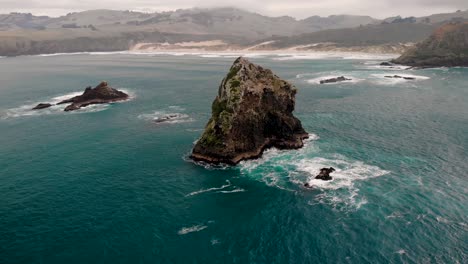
x: 252, y: 112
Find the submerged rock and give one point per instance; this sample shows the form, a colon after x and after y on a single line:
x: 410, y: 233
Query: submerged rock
x: 101, y: 94
x: 400, y: 77
x: 41, y: 106
x: 252, y: 112
x: 334, y: 80
x: 169, y: 118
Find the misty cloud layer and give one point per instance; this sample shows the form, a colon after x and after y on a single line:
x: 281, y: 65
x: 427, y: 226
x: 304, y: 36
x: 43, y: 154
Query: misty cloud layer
x: 295, y: 8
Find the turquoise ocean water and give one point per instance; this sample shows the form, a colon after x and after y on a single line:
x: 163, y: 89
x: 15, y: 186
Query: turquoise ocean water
x: 107, y: 185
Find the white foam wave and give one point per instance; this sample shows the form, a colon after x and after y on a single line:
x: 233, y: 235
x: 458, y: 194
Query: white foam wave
x: 316, y: 77
x: 233, y: 191
x: 312, y: 137
x: 317, y: 80
x: 341, y: 192
x: 381, y: 79
x: 381, y: 67
x: 346, y: 171
x: 401, y: 252
x: 26, y: 109
x: 277, y: 55
x: 167, y: 116
x: 86, y: 53
x: 195, y: 228
x: 289, y: 170
x: 333, y: 55
x: 210, y: 189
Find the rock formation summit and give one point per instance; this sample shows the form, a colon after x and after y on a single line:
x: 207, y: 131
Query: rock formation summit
x: 101, y: 94
x: 252, y: 112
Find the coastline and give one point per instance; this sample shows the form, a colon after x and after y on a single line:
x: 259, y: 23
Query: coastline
x: 233, y: 53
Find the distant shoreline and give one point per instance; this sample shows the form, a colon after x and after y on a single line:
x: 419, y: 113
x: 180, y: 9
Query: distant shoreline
x: 206, y: 53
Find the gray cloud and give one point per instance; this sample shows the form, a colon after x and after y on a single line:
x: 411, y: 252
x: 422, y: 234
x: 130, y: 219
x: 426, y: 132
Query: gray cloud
x: 295, y: 8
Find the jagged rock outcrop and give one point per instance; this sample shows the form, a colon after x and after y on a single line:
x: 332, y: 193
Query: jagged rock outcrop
x: 101, y: 94
x: 252, y: 112
x: 446, y: 47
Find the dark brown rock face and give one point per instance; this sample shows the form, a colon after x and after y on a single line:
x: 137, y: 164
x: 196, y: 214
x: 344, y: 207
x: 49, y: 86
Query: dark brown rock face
x: 252, y: 112
x: 101, y: 94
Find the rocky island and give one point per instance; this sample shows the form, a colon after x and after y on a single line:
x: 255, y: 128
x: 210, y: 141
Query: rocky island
x: 446, y: 47
x: 101, y: 94
x: 335, y: 80
x: 252, y: 112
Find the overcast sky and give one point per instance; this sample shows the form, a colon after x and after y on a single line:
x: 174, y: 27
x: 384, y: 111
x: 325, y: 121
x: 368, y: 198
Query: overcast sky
x: 295, y: 8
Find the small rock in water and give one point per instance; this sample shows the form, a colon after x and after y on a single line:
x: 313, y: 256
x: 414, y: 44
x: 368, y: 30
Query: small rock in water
x: 166, y: 118
x: 325, y: 174
x: 41, y: 106
x: 400, y: 77
x: 334, y: 80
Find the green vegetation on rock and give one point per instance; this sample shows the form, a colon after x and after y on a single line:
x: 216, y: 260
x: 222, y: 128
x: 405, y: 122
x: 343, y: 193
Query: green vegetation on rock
x: 233, y: 72
x: 218, y: 106
x: 209, y: 138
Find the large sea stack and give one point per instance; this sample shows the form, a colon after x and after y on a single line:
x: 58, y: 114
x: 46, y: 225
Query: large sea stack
x: 252, y: 112
x: 101, y: 94
x: 446, y: 47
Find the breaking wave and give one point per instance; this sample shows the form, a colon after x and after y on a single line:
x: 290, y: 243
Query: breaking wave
x: 171, y: 115
x: 195, y: 228
x: 334, y: 55
x: 318, y: 79
x: 221, y: 189
x: 210, y: 189
x: 375, y: 77
x: 381, y: 79
x: 233, y: 191
x: 289, y: 170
